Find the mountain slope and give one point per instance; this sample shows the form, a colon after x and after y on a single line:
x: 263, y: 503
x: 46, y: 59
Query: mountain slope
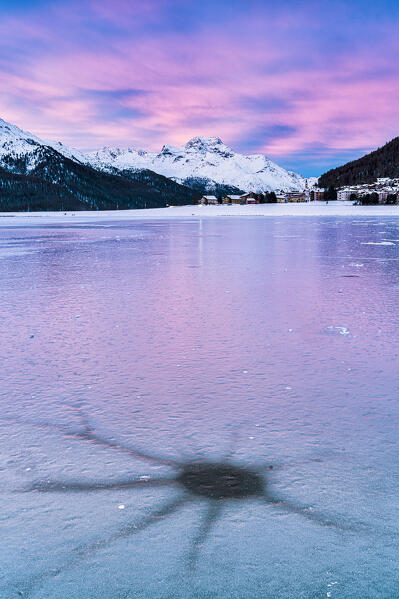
x: 383, y: 162
x: 16, y: 143
x: 206, y: 164
x: 58, y: 183
x: 38, y: 176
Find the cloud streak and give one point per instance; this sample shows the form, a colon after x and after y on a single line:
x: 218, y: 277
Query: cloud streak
x: 311, y: 87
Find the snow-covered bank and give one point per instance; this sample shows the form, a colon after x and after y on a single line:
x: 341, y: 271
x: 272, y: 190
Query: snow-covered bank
x: 265, y: 210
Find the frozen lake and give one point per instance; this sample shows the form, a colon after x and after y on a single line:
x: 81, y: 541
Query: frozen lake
x: 249, y: 341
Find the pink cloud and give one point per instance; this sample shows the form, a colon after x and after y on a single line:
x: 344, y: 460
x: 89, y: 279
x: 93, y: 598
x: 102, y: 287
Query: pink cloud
x: 214, y: 82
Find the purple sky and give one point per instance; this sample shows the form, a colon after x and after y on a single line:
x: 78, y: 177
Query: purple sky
x: 311, y: 84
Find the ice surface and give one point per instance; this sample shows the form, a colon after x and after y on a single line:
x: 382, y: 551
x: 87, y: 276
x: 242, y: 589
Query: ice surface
x: 155, y: 365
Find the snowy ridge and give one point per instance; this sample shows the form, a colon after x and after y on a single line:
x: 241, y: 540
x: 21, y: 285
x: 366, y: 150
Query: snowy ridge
x: 207, y: 159
x: 16, y: 144
x: 203, y: 161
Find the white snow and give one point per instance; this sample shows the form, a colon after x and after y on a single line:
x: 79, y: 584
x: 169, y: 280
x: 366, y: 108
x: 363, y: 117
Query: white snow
x: 205, y: 158
x: 202, y: 157
x: 341, y: 209
x: 377, y: 243
x: 18, y: 143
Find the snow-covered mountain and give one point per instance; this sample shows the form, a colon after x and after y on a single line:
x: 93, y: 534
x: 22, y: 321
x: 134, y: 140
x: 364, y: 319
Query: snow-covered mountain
x: 17, y: 145
x: 203, y: 164
x: 43, y: 175
x: 207, y: 161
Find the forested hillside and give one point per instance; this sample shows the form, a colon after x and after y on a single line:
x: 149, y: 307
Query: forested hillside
x: 55, y: 182
x: 383, y: 162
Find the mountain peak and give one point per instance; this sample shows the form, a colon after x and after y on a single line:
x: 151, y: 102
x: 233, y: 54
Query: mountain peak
x: 203, y: 143
x: 203, y: 162
x: 207, y: 162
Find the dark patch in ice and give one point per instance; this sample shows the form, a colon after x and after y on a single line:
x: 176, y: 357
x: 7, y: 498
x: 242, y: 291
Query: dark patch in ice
x: 218, y: 483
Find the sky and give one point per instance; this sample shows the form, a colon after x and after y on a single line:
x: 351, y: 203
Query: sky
x: 312, y: 84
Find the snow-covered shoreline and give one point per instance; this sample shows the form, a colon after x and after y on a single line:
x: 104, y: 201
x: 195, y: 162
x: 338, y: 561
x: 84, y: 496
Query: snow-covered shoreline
x: 265, y: 210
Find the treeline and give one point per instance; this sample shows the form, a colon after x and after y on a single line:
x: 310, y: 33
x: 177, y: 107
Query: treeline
x: 201, y: 186
x: 268, y: 198
x: 58, y: 183
x: 383, y: 162
x: 371, y: 199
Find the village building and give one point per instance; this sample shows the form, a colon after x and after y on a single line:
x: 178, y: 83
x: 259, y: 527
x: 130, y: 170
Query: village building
x: 249, y: 198
x: 343, y: 195
x: 382, y: 197
x: 384, y: 188
x: 295, y: 196
x: 209, y: 200
x: 317, y: 195
x: 233, y: 199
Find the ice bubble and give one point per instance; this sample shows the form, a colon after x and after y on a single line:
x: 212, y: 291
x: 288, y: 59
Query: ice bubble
x: 121, y: 506
x: 339, y: 330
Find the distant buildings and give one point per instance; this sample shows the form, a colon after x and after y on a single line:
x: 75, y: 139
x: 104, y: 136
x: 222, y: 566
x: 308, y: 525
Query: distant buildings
x: 246, y: 198
x: 382, y: 197
x: 317, y: 195
x: 250, y: 198
x: 383, y: 190
x: 343, y: 195
x: 208, y: 200
x: 260, y: 198
x: 233, y: 199
x: 295, y: 196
